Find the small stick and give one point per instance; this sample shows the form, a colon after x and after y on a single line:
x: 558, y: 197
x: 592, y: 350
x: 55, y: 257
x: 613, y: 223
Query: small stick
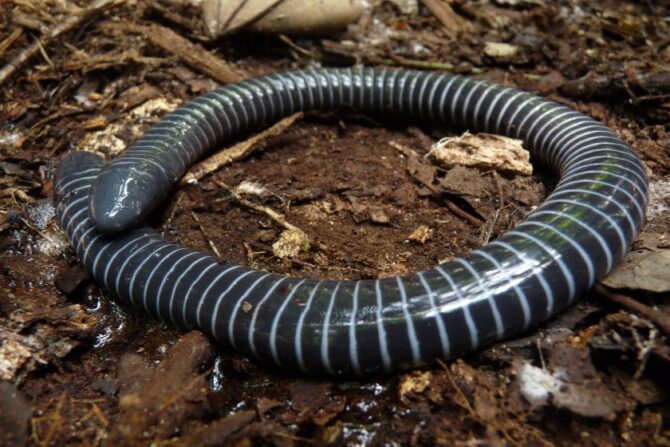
x: 55, y: 421
x: 499, y: 188
x: 294, y: 46
x: 276, y: 217
x: 487, y: 230
x: 421, y: 65
x: 53, y: 34
x: 657, y: 317
x: 210, y: 242
x: 44, y: 54
x: 237, y: 152
x: 13, y: 36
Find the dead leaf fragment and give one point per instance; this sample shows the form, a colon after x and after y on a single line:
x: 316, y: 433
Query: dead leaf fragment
x: 642, y: 270
x: 588, y: 398
x: 414, y: 383
x: 483, y: 151
x: 280, y: 16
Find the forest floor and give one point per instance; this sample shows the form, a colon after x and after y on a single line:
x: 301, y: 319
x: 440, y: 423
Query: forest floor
x: 78, y: 368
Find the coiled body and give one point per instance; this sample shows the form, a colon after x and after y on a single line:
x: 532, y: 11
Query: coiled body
x: 341, y: 327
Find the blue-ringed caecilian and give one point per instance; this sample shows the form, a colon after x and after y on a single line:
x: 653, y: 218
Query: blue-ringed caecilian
x: 314, y: 326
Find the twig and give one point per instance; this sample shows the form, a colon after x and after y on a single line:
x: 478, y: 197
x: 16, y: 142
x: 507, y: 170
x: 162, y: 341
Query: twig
x: 177, y: 19
x: 237, y: 152
x: 13, y: 36
x: 278, y: 218
x: 459, y: 391
x: 56, y: 421
x: 41, y: 233
x: 101, y: 417
x: 44, y: 54
x: 210, y: 242
x: 294, y: 46
x: 655, y: 316
x: 53, y: 34
x: 487, y: 228
x: 422, y: 65
x: 499, y: 188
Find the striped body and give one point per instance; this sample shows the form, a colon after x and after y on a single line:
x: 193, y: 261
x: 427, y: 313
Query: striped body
x: 341, y: 327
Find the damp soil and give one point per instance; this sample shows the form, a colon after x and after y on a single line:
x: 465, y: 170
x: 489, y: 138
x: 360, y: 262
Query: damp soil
x: 79, y: 368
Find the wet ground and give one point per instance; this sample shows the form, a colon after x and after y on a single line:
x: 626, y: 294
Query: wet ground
x: 78, y: 368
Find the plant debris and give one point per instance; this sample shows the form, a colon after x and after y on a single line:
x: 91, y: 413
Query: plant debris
x: 483, y: 151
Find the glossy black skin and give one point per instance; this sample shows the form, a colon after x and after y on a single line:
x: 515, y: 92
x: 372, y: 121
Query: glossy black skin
x: 342, y: 327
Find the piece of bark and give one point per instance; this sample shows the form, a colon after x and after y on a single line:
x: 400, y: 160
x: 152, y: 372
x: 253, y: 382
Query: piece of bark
x: 453, y: 23
x: 192, y: 54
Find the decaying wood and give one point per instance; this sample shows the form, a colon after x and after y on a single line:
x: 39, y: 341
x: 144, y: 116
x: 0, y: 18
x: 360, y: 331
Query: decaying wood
x: 209, y: 240
x: 66, y: 25
x: 453, y: 23
x: 193, y: 55
x: 237, y: 152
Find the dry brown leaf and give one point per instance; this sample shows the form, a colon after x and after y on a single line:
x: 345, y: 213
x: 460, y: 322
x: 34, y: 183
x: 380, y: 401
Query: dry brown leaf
x: 280, y: 16
x: 642, y: 270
